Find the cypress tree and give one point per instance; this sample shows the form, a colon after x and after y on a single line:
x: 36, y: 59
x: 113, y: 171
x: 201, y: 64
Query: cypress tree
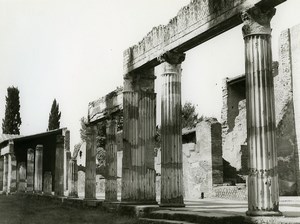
x: 12, y: 120
x: 54, y: 116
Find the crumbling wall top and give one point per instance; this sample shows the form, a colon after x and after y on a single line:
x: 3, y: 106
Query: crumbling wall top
x: 195, y: 23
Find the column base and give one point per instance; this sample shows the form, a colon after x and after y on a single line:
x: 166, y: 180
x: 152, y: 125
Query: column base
x: 138, y: 203
x: 263, y: 213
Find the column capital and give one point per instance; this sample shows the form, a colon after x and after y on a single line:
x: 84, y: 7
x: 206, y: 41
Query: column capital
x: 257, y: 21
x: 173, y: 58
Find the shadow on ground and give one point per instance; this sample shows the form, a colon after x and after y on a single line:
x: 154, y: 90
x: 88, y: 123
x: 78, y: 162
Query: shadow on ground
x: 15, y: 209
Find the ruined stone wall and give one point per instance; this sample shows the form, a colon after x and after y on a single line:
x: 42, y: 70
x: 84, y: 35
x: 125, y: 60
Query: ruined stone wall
x: 295, y: 58
x: 202, y: 161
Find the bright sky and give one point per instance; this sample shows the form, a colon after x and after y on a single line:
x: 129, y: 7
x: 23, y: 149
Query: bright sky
x: 72, y: 50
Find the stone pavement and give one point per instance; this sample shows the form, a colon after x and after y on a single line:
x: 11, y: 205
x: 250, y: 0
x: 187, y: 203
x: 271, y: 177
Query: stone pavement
x: 222, y: 211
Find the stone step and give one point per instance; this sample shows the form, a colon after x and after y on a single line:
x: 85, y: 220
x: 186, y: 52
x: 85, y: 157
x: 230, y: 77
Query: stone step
x: 217, y: 217
x: 196, y: 217
x: 161, y: 221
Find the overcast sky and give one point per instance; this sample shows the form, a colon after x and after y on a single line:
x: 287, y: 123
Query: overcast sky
x: 72, y: 50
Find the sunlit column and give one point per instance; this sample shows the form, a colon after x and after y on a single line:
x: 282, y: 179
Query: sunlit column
x: 263, y: 193
x: 171, y: 130
x: 138, y: 173
x: 90, y: 164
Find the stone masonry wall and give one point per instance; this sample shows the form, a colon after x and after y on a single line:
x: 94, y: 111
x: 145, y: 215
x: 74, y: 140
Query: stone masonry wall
x: 202, y: 162
x: 295, y: 59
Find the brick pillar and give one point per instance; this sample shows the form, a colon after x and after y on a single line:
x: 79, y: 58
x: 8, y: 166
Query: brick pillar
x: 171, y: 131
x: 30, y: 170
x: 5, y: 172
x: 138, y: 173
x: 47, y: 184
x: 38, y: 171
x: 111, y: 188
x: 1, y: 172
x: 59, y: 166
x: 263, y: 193
x: 90, y: 164
x: 21, y: 177
x: 73, y: 178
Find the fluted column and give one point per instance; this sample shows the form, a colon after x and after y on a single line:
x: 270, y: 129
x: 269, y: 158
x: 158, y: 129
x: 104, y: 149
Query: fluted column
x: 111, y: 188
x: 73, y: 178
x: 30, y: 170
x: 138, y: 173
x: 38, y: 171
x: 1, y: 172
x: 171, y: 130
x: 90, y: 164
x: 263, y: 193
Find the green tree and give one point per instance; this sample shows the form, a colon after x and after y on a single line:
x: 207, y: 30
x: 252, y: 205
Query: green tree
x: 83, y: 122
x: 12, y: 120
x: 54, y: 116
x: 189, y: 116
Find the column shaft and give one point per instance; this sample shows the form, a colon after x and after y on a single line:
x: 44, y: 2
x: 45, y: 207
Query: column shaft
x: 59, y: 166
x: 111, y: 188
x: 67, y: 157
x: 90, y: 164
x: 138, y: 173
x: 47, y: 183
x: 263, y: 193
x: 1, y: 172
x: 171, y: 132
x: 5, y: 172
x: 30, y: 170
x: 38, y: 171
x: 73, y: 178
x: 12, y: 173
x: 21, y: 177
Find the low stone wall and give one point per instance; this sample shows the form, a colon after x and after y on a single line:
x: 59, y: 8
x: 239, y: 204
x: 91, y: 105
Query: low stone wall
x: 238, y: 192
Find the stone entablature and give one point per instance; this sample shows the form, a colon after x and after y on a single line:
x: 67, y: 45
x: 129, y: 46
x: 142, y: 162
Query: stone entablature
x: 193, y: 25
x: 107, y: 105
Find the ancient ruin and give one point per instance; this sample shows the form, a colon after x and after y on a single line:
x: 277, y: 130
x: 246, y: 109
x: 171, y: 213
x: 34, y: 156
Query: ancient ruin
x: 256, y: 143
x: 36, y: 163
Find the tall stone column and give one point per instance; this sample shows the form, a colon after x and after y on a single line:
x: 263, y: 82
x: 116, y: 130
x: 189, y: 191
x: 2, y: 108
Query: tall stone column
x: 90, y: 164
x: 139, y: 128
x: 30, y: 170
x: 21, y: 177
x: 73, y: 178
x: 263, y: 193
x: 1, y: 172
x: 12, y: 173
x: 59, y: 166
x: 47, y: 186
x: 111, y: 188
x: 38, y: 171
x: 171, y: 130
x: 67, y: 157
x: 5, y: 172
